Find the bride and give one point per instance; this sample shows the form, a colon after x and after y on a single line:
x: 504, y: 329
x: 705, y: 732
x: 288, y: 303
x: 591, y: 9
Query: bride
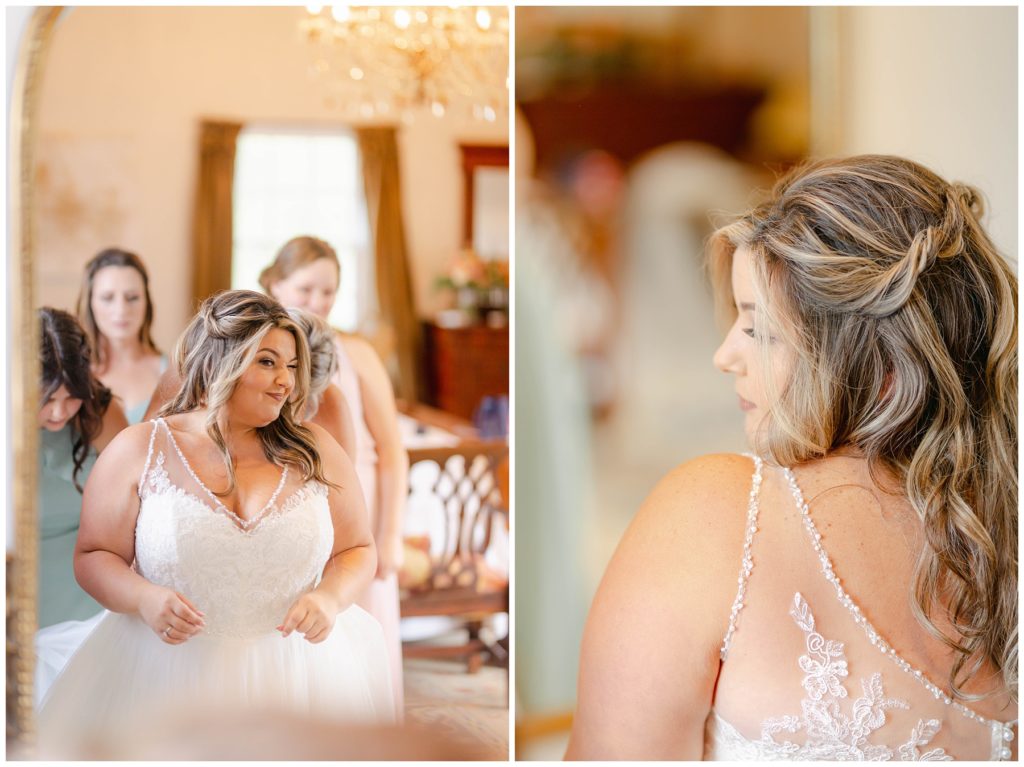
x: 229, y: 543
x: 851, y: 591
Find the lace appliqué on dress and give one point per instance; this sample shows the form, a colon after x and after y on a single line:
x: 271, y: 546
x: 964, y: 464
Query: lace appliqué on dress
x: 158, y: 479
x: 831, y: 733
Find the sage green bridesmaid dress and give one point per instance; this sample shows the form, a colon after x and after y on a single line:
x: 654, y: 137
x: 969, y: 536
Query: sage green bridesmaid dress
x: 60, y: 509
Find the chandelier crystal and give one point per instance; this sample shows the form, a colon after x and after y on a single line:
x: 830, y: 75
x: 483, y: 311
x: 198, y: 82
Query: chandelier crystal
x: 384, y: 61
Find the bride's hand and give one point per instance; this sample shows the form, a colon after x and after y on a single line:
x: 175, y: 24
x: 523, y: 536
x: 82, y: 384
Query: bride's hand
x: 171, y: 616
x: 312, y: 615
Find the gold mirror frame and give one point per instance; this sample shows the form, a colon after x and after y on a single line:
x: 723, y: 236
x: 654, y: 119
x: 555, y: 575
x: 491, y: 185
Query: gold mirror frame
x: 22, y: 558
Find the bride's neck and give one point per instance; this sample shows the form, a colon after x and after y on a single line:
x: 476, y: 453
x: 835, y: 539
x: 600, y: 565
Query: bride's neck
x: 238, y: 436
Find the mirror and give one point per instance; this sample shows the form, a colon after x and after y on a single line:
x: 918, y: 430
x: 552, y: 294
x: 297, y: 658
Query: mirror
x: 485, y: 200
x: 22, y: 536
x: 109, y: 155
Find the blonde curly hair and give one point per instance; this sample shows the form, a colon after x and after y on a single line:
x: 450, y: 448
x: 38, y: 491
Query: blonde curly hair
x: 903, y: 318
x: 217, y: 347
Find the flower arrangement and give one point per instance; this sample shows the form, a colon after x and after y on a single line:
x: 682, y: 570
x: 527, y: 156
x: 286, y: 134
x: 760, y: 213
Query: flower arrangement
x: 480, y: 286
x: 468, y: 270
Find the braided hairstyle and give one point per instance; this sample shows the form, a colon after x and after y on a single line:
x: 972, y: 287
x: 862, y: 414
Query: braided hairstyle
x: 64, y: 355
x: 217, y: 347
x: 902, y: 317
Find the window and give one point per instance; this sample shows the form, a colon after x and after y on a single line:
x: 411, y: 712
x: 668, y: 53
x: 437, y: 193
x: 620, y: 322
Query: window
x: 303, y: 182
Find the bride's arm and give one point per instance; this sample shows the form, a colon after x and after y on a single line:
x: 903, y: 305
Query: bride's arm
x: 105, y: 548
x: 649, y: 660
x: 353, y: 556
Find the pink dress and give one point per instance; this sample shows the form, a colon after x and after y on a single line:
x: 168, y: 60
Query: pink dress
x: 381, y: 597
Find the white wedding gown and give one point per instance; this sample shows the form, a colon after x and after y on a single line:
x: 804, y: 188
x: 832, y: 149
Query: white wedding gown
x: 831, y: 687
x: 243, y: 577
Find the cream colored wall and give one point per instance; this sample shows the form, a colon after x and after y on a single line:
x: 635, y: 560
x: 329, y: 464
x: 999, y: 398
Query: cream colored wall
x: 938, y: 85
x: 124, y: 92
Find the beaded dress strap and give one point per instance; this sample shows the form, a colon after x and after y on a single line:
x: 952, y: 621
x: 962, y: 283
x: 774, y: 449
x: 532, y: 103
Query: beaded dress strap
x: 1002, y: 732
x: 748, y: 561
x: 218, y: 507
x: 149, y: 457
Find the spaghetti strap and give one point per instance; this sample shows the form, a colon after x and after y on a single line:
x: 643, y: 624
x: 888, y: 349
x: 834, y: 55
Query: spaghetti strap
x: 149, y: 457
x: 748, y: 562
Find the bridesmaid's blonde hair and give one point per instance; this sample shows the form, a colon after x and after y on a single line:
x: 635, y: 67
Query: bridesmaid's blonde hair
x: 295, y: 254
x: 217, y: 347
x: 903, y: 319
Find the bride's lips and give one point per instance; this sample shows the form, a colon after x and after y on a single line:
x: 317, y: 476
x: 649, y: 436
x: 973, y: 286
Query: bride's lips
x: 746, y: 405
x: 276, y: 396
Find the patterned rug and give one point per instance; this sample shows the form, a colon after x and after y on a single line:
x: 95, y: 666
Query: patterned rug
x: 470, y: 709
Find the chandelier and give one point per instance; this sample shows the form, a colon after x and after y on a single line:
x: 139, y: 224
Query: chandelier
x: 385, y: 61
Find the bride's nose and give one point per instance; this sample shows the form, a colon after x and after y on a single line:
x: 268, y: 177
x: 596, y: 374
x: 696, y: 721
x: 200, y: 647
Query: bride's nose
x: 728, y: 357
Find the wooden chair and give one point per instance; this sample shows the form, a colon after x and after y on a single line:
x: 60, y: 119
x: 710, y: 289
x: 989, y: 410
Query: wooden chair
x: 471, y: 494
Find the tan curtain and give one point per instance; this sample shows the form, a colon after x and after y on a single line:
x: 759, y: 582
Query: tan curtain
x: 379, y: 150
x: 212, y: 225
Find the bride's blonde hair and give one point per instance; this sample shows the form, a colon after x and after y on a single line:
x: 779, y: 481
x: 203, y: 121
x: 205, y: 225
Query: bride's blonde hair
x: 902, y: 319
x: 217, y: 347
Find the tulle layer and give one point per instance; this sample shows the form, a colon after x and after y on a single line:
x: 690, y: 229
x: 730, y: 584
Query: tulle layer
x: 54, y: 647
x: 123, y: 670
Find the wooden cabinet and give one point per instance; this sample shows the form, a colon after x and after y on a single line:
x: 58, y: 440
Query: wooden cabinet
x: 465, y: 365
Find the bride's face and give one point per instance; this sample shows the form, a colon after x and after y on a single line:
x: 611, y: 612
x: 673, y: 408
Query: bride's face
x: 740, y: 353
x: 266, y: 385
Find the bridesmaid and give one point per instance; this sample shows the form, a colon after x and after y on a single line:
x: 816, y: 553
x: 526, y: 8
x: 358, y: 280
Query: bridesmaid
x: 115, y: 309
x: 305, y: 275
x: 77, y: 419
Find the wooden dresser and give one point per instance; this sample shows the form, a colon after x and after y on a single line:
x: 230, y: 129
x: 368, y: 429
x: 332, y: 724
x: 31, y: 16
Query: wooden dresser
x: 466, y: 364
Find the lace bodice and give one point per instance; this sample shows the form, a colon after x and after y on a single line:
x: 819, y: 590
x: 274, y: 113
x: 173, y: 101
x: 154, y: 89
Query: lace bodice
x: 845, y: 709
x: 243, y: 576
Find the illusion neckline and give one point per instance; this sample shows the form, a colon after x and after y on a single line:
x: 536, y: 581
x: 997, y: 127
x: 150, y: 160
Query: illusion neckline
x: 873, y: 635
x: 245, y: 524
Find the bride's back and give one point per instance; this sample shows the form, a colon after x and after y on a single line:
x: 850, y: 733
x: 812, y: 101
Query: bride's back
x: 825, y: 657
x: 873, y: 319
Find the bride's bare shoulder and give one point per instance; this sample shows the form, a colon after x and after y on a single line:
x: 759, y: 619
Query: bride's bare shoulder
x: 669, y: 585
x: 123, y: 457
x: 707, y: 492
x: 131, y: 441
x: 688, y: 534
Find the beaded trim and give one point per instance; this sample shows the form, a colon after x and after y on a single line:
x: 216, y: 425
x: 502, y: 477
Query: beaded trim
x: 748, y: 560
x: 244, y: 524
x: 1001, y: 731
x: 149, y: 457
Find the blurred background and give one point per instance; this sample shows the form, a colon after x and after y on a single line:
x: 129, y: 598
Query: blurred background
x: 637, y: 131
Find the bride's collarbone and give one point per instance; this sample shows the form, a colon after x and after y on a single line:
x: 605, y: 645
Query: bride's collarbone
x: 256, y: 478
x: 252, y: 493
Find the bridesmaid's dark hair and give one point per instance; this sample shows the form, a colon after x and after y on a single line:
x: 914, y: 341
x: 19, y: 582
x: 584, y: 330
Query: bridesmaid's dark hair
x: 65, y: 356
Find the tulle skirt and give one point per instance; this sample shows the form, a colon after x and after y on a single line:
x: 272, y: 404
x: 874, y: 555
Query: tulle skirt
x: 54, y: 647
x: 122, y: 670
x: 381, y: 600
